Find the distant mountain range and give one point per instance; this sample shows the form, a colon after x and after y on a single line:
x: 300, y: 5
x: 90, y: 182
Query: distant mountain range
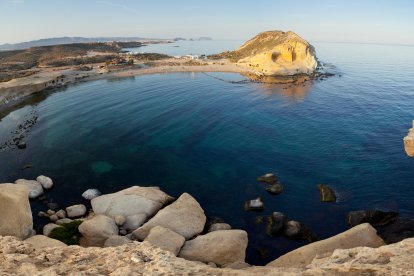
x: 68, y: 40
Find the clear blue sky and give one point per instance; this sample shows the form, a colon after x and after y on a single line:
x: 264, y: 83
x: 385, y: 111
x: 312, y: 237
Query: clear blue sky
x: 366, y: 21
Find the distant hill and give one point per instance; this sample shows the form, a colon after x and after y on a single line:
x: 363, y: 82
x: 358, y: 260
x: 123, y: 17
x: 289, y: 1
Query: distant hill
x: 67, y: 40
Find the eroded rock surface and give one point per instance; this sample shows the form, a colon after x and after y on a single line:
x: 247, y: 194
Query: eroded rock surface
x: 409, y: 142
x: 15, y: 212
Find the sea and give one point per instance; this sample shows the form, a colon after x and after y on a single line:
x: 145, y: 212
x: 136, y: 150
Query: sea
x: 212, y: 134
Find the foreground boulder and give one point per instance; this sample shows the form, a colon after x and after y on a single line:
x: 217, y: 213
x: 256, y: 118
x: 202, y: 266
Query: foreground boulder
x: 34, y: 187
x: 18, y: 258
x: 165, y: 239
x: 136, y: 204
x: 40, y: 241
x: 373, y: 217
x: 361, y: 235
x: 97, y: 230
x: 220, y: 247
x: 185, y: 217
x: 45, y: 181
x: 409, y: 142
x: 15, y: 214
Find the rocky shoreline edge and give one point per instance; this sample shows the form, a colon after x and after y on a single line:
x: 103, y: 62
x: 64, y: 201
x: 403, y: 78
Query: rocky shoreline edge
x: 143, y: 230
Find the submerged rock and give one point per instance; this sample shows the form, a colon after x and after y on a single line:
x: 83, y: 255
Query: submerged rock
x: 34, y: 187
x: 399, y: 230
x: 15, y: 214
x: 221, y: 247
x: 326, y: 192
x: 268, y: 178
x: 275, y: 189
x: 185, y: 217
x: 275, y: 224
x: 254, y: 205
x: 373, y: 217
x: 136, y: 204
x: 409, y: 142
x: 90, y: 194
x: 361, y: 235
x: 45, y: 181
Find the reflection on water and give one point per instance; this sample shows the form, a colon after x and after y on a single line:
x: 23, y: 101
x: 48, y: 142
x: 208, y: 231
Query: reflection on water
x: 295, y: 92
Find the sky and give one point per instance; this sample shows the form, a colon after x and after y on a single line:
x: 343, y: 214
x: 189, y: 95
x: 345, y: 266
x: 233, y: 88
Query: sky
x: 353, y: 21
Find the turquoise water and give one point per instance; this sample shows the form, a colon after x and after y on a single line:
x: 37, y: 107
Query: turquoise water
x: 195, y: 133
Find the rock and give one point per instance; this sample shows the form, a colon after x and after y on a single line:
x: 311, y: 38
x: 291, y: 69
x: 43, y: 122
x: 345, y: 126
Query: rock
x: 53, y: 218
x: 361, y: 235
x: 52, y: 205
x: 254, y: 205
x: 116, y: 240
x: 91, y: 194
x: 276, y: 53
x: 34, y: 187
x: 48, y: 228
x: 409, y: 142
x: 18, y: 258
x: 63, y: 221
x: 119, y: 220
x: 61, y: 214
x: 50, y: 212
x: 15, y: 214
x: 327, y: 194
x: 275, y: 189
x: 40, y: 242
x: 97, y: 230
x: 275, y: 224
x: 21, y: 145
x: 165, y: 239
x: 123, y: 232
x: 237, y: 265
x: 136, y: 204
x: 221, y: 247
x: 45, y: 181
x: 42, y: 214
x: 219, y: 226
x: 185, y: 217
x: 76, y: 210
x: 268, y: 178
x: 292, y: 228
x: 397, y: 231
x: 373, y: 217
x: 299, y: 231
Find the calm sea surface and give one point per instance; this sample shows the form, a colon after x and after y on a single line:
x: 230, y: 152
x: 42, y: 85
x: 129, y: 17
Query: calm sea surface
x: 199, y: 133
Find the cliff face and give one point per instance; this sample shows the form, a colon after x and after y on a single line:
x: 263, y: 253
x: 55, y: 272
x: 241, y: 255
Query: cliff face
x: 275, y: 53
x: 21, y: 258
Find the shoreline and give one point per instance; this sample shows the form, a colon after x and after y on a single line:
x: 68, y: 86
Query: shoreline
x: 15, y: 92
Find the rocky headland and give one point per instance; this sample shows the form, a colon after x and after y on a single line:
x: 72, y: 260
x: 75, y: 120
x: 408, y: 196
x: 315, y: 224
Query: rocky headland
x: 409, y: 142
x: 144, y: 231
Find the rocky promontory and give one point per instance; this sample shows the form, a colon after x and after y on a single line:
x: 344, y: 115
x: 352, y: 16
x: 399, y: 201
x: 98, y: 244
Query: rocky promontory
x: 275, y: 53
x: 409, y: 142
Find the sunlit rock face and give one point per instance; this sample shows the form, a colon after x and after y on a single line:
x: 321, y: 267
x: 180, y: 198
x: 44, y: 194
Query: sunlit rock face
x: 277, y: 53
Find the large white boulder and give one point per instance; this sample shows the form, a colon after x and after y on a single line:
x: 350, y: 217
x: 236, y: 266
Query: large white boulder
x: 34, y: 187
x: 136, y: 204
x: 15, y: 213
x: 220, y: 247
x: 40, y: 241
x: 360, y: 235
x: 97, y: 230
x: 185, y: 217
x: 165, y: 239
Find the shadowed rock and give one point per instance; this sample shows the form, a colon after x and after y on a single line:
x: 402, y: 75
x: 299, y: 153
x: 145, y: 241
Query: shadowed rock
x: 373, y: 217
x: 327, y: 194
